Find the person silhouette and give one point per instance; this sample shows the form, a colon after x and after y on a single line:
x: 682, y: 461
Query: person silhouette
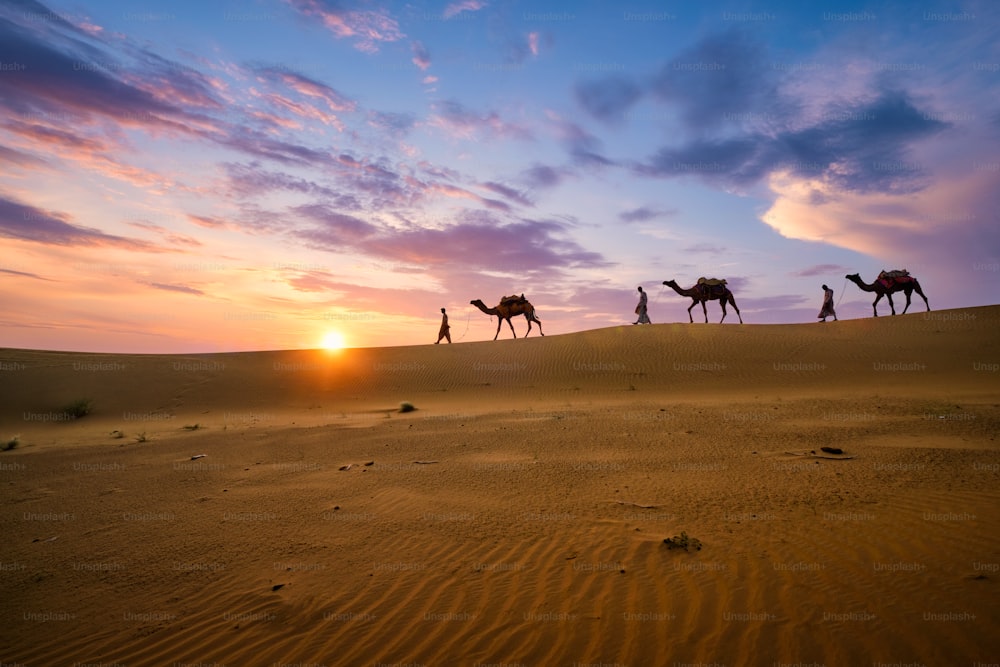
x: 640, y: 310
x: 445, y: 330
x: 827, y: 309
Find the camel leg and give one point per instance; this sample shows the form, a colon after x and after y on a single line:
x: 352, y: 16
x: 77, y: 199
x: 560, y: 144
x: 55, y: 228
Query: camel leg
x: 892, y: 306
x: 704, y: 309
x: 722, y: 302
x: 511, y: 327
x: 693, y: 304
x: 529, y: 326
x: 732, y: 302
x: 499, y: 323
x: 875, y: 303
x: 908, y: 294
x: 916, y: 288
x: 539, y: 323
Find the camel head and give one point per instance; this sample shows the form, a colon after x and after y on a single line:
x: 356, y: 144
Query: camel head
x: 670, y: 283
x: 853, y: 276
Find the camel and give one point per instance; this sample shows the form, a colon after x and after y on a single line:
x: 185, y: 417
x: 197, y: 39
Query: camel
x: 886, y: 284
x: 511, y: 306
x: 707, y: 290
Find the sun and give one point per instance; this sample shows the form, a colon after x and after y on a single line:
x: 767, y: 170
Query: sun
x: 332, y: 340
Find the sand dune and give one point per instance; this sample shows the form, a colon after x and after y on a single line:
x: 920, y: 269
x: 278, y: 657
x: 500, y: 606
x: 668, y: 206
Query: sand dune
x: 517, y: 517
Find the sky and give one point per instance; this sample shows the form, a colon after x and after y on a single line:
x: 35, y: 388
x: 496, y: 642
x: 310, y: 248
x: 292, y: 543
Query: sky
x: 223, y: 176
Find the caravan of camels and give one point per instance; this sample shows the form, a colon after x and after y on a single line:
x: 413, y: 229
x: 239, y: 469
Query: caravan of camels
x: 715, y: 289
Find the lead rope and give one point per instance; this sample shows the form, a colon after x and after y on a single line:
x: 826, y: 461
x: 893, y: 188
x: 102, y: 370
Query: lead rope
x: 843, y: 290
x: 467, y: 320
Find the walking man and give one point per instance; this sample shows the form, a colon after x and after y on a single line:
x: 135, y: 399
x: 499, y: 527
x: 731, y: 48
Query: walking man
x: 640, y: 310
x: 827, y: 309
x: 445, y: 331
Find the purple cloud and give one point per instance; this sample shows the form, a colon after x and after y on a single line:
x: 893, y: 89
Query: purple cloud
x: 541, y: 176
x: 607, y: 99
x: 28, y: 223
x: 421, y: 56
x: 864, y: 149
x: 459, y: 121
x: 508, y: 192
x: 644, y: 213
x: 820, y: 270
x: 723, y: 77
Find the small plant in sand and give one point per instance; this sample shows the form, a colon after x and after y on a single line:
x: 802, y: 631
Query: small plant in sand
x: 406, y: 406
x: 141, y: 437
x: 682, y: 541
x: 117, y: 435
x: 192, y: 427
x: 79, y: 408
x: 11, y: 444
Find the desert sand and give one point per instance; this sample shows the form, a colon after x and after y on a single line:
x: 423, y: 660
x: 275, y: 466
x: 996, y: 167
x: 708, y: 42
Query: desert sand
x: 276, y: 508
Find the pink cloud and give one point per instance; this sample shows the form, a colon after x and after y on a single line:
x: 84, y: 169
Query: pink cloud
x: 456, y: 8
x: 533, y: 43
x: 367, y: 27
x: 303, y: 85
x: 421, y: 57
x: 464, y: 123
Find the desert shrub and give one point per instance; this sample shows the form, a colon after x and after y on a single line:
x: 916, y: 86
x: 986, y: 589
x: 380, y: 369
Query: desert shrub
x: 79, y: 408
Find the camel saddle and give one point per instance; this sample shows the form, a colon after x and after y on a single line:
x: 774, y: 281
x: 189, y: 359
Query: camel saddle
x: 507, y: 300
x: 887, y: 278
x: 711, y: 282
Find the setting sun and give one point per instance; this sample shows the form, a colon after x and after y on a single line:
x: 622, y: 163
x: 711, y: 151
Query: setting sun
x: 332, y: 340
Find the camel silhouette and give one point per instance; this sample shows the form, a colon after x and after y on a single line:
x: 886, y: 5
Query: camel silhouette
x: 707, y: 290
x: 887, y: 283
x: 511, y: 306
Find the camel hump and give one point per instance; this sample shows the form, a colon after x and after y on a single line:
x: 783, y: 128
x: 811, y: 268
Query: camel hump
x: 895, y: 273
x: 513, y: 298
x: 711, y: 282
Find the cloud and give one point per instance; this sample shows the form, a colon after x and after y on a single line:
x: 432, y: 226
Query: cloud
x: 28, y: 223
x: 524, y: 245
x: 724, y: 76
x: 541, y: 176
x: 20, y: 159
x: 533, y: 42
x: 335, y: 229
x: 584, y: 148
x: 183, y: 289
x: 460, y: 122
x: 368, y: 28
x: 335, y: 100
x: 421, y: 56
x: 396, y: 124
x: 456, y: 8
x: 477, y: 239
x: 508, y: 192
x: 253, y: 180
x: 820, y: 270
x: 72, y: 80
x: 862, y: 148
x: 644, y: 213
x: 167, y: 234
x: 607, y: 99
x: 24, y: 274
x: 706, y: 248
